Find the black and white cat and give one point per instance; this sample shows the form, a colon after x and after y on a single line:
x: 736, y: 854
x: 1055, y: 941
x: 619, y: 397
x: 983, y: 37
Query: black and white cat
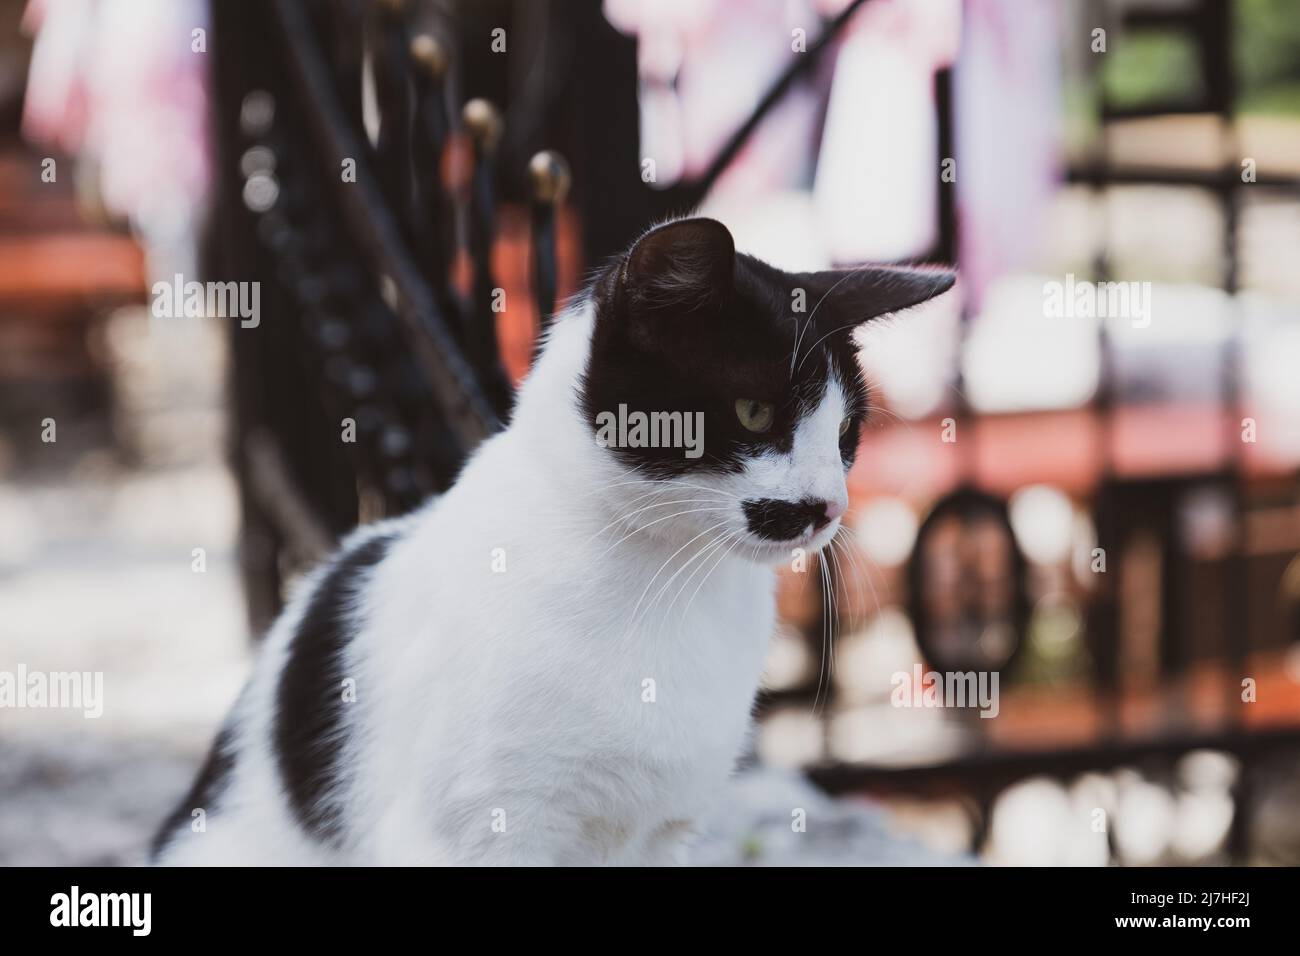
x: 554, y: 662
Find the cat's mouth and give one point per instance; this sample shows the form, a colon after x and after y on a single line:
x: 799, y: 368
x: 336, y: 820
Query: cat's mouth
x: 813, y: 539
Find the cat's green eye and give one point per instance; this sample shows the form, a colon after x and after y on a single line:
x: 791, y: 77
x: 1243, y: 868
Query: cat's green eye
x: 755, y: 416
x: 845, y: 422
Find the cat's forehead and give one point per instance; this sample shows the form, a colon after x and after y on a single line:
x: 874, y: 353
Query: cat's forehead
x: 779, y: 337
x: 770, y: 304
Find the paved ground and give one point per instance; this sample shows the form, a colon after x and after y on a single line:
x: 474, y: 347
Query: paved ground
x: 98, y: 572
x: 72, y: 800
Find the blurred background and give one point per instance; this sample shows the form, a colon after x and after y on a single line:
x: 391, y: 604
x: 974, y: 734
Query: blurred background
x: 1101, y: 509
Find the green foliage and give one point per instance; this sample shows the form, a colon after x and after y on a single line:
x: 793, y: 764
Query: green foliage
x: 1267, y: 55
x: 1267, y: 47
x: 1151, y: 66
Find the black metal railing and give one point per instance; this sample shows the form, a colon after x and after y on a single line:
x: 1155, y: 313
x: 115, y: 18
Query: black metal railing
x: 374, y: 376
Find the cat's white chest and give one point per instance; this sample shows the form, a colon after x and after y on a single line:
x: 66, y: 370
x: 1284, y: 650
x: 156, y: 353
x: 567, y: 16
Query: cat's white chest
x: 607, y: 727
x: 678, y: 695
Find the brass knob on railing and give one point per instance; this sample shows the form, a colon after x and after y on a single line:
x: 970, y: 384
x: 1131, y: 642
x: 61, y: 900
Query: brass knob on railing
x: 549, y: 176
x: 483, y: 123
x: 428, y: 55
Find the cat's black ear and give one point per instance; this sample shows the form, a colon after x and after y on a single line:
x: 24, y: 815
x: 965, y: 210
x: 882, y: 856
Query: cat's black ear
x: 681, y: 267
x: 850, y: 297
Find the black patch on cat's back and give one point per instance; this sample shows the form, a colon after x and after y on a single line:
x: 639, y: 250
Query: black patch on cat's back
x: 309, y: 714
x: 203, y: 794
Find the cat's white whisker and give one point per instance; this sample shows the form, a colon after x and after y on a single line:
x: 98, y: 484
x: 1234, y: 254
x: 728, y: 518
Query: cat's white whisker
x: 625, y: 518
x: 715, y: 546
x: 656, y: 521
x: 738, y: 538
x: 665, y: 564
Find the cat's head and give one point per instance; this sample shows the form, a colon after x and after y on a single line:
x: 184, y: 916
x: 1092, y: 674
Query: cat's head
x: 728, y: 392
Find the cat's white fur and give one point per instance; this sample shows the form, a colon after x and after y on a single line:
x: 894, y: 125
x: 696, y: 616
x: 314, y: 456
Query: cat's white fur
x: 545, y: 673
